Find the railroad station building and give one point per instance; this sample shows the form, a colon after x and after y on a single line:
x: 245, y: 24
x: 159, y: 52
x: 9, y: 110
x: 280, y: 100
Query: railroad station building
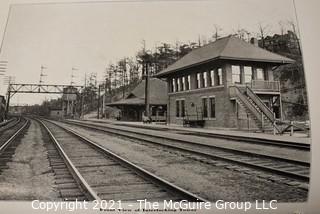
x: 133, y: 106
x: 56, y: 113
x: 227, y: 83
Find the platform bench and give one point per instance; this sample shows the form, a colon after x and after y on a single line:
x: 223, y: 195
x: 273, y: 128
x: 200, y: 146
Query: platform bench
x: 193, y: 123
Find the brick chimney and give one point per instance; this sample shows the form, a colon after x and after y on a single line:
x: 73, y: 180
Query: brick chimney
x: 254, y: 41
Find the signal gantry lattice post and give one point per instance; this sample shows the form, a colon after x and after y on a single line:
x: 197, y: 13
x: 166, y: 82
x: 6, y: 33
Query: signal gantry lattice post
x: 3, y: 67
x: 40, y: 88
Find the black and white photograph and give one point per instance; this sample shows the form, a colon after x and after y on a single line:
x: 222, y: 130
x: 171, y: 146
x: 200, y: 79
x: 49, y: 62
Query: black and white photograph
x: 154, y: 106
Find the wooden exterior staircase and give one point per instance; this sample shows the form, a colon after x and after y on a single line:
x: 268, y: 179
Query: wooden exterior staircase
x: 262, y: 115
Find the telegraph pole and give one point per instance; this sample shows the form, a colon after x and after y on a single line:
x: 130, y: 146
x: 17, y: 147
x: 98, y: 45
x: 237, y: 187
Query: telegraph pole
x: 3, y: 67
x: 99, y: 88
x: 104, y: 99
x: 124, y: 73
x: 5, y: 62
x: 145, y: 69
x: 72, y: 75
x: 10, y: 79
x: 147, y: 89
x: 5, y: 29
x: 83, y: 95
x: 42, y: 74
x: 7, y: 106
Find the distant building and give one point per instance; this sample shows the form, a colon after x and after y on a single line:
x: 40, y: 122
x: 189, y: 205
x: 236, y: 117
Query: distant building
x: 228, y: 83
x: 286, y: 43
x: 2, y: 108
x: 18, y: 109
x: 56, y: 113
x: 69, y: 99
x: 133, y: 106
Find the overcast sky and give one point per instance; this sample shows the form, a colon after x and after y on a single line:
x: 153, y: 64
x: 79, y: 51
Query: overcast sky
x: 90, y: 35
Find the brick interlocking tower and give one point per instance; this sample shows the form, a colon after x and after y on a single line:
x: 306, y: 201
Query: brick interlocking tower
x: 227, y: 83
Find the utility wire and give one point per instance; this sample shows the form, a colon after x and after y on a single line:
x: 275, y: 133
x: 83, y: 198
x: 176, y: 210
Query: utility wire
x: 106, y: 1
x: 5, y: 29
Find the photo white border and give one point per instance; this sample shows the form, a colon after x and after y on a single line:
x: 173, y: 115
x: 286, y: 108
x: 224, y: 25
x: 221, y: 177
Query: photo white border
x: 309, y: 22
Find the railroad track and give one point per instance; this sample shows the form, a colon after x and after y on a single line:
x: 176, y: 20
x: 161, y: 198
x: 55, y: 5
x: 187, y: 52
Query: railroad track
x: 7, y: 140
x: 4, y: 123
x: 252, y: 140
x: 291, y: 169
x: 8, y: 124
x: 103, y: 175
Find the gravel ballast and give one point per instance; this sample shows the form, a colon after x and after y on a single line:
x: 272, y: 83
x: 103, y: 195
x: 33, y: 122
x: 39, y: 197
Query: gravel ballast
x: 209, y: 181
x: 29, y: 174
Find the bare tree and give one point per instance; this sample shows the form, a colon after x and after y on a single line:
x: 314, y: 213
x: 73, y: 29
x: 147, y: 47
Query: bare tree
x: 242, y: 34
x: 204, y: 40
x: 177, y: 48
x: 282, y: 26
x: 216, y: 32
x: 199, y: 40
x: 133, y: 68
x: 108, y: 78
x: 264, y: 30
x: 293, y: 28
x: 248, y: 35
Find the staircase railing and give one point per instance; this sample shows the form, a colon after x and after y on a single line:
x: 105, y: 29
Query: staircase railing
x: 265, y: 85
x: 259, y: 115
x: 262, y: 106
x: 246, y: 102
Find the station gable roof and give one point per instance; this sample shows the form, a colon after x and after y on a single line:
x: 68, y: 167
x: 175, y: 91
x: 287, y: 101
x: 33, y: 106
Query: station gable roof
x: 228, y: 48
x: 158, y: 94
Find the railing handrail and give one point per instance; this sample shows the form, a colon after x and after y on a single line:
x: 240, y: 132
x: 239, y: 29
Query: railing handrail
x: 252, y: 108
x: 275, y: 83
x: 247, y: 103
x: 290, y: 126
x: 263, y: 107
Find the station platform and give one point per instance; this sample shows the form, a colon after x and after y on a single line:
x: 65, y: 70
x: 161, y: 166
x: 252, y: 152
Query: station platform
x: 217, y: 137
x: 297, y: 138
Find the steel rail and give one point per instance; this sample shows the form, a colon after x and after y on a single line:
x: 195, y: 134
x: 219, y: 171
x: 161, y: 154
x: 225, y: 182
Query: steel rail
x: 102, y: 128
x: 3, y: 146
x: 3, y: 124
x: 252, y: 140
x: 208, y: 155
x: 11, y: 123
x: 139, y: 170
x: 90, y: 193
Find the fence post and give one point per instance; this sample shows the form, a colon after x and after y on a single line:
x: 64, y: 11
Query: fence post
x: 262, y: 121
x: 291, y: 128
x: 248, y: 122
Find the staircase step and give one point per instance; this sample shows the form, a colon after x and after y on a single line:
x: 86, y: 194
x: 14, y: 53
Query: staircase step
x: 267, y: 124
